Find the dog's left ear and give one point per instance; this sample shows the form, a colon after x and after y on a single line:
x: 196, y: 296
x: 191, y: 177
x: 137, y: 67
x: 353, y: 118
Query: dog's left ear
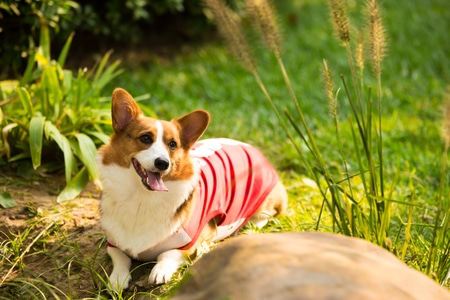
x: 193, y: 125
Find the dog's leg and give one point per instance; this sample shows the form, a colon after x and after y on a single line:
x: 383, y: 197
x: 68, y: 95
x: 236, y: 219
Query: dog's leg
x: 120, y: 276
x: 274, y: 204
x: 167, y: 264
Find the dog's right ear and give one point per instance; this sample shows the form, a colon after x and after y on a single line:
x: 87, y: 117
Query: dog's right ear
x: 193, y: 125
x: 123, y: 109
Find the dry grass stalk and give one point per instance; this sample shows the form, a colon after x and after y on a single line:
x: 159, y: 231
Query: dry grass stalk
x: 446, y: 129
x: 266, y: 23
x: 377, y: 36
x: 340, y: 20
x: 229, y: 27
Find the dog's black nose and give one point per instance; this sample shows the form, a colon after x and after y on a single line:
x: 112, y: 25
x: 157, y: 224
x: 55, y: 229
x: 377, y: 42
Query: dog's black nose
x: 161, y: 163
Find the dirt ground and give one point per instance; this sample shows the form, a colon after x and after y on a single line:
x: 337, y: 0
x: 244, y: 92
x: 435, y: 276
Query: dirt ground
x: 62, y: 244
x: 53, y: 239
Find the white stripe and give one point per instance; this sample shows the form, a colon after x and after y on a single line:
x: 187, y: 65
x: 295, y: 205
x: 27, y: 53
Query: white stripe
x: 157, y: 150
x: 159, y: 135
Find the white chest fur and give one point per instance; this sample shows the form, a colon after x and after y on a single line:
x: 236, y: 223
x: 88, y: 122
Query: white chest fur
x: 134, y: 218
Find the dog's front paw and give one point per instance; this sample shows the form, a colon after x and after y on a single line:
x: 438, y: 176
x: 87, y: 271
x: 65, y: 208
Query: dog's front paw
x: 119, y: 280
x: 162, y: 272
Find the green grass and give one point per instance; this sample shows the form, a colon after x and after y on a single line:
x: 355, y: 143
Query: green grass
x: 207, y: 77
x: 415, y: 74
x: 414, y: 83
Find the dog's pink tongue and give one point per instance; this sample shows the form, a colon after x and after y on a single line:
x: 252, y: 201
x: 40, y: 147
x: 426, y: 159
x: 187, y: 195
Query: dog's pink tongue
x: 154, y: 180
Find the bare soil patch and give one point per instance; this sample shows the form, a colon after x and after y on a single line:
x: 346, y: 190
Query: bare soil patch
x: 56, y: 243
x: 58, y: 248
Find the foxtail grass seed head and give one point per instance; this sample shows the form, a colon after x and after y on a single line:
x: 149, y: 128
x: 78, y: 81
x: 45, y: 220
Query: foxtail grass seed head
x: 229, y: 27
x: 360, y: 51
x: 340, y: 20
x: 266, y: 23
x: 377, y: 36
x: 329, y: 89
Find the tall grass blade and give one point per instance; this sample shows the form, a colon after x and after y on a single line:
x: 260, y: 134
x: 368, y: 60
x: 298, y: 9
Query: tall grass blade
x: 441, y: 223
x: 36, y: 132
x: 408, y: 227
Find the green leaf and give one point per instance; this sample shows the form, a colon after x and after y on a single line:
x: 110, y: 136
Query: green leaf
x: 65, y: 50
x: 102, y: 65
x: 53, y: 91
x: 102, y: 75
x: 74, y: 187
x: 36, y: 132
x: 53, y: 133
x: 8, y: 86
x: 25, y: 99
x: 104, y: 138
x: 67, y: 82
x: 29, y: 70
x: 44, y: 40
x: 87, y: 152
x: 110, y: 73
x: 6, y: 201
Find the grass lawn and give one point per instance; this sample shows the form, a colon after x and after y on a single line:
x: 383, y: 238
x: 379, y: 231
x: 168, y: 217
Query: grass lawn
x: 416, y: 73
x: 414, y: 80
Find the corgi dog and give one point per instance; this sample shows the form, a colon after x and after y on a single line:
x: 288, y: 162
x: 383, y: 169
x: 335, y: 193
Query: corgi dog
x: 165, y: 192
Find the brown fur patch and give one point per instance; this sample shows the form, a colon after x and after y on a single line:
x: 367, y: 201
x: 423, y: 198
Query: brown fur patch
x: 181, y: 168
x: 124, y: 145
x: 183, y: 212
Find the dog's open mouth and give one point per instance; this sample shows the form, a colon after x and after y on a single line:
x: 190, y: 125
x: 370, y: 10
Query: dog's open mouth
x: 151, y: 180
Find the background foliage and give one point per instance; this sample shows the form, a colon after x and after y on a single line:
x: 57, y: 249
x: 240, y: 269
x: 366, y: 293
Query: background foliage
x: 110, y: 21
x: 51, y: 107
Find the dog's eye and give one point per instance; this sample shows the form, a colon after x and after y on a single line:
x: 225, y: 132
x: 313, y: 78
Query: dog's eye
x: 146, y: 139
x: 172, y: 145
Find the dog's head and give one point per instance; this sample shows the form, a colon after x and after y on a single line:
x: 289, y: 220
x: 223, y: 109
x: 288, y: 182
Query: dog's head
x: 158, y: 150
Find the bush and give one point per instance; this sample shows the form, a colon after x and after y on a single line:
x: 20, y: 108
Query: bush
x: 51, y: 108
x: 113, y: 21
x: 20, y: 24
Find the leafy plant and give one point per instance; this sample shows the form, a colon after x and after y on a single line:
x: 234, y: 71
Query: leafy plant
x: 51, y: 108
x: 20, y: 24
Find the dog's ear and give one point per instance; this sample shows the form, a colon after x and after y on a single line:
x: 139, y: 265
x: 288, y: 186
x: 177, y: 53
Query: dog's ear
x: 123, y: 109
x: 193, y: 125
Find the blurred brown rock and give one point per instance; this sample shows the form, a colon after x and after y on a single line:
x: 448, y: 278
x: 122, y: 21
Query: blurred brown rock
x: 308, y: 265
